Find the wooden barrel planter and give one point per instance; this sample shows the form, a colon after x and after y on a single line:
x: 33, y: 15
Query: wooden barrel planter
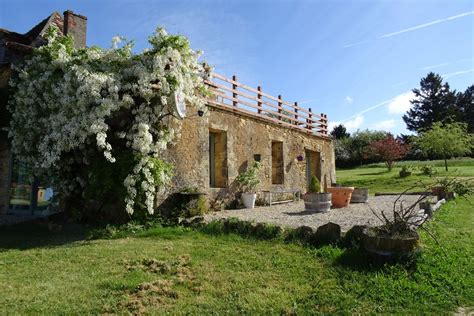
x: 341, y: 196
x: 389, y: 246
x: 360, y: 195
x: 317, y: 202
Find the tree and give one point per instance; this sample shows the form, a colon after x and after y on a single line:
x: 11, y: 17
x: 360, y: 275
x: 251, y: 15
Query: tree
x: 388, y: 149
x: 446, y: 141
x: 433, y: 102
x: 414, y: 152
x: 360, y: 144
x: 339, y: 132
x: 76, y: 111
x: 342, y: 150
x: 465, y: 104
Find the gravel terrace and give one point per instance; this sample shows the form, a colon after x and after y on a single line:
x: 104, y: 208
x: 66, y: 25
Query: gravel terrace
x: 294, y: 214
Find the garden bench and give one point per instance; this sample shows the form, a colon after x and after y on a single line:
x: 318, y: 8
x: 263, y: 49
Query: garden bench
x: 270, y: 193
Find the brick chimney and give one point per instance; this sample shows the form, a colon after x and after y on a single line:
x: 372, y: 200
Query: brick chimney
x: 76, y: 26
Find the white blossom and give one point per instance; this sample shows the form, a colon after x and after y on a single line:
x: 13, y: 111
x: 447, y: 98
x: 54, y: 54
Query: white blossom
x: 65, y: 100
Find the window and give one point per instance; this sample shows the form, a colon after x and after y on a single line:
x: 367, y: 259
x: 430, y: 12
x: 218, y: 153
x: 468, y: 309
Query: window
x: 28, y: 195
x: 277, y: 163
x: 217, y: 159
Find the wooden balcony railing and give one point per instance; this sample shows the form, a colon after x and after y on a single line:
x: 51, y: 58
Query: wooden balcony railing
x: 229, y: 94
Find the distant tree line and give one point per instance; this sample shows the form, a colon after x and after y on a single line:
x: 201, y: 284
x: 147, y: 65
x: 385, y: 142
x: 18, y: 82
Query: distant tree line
x: 442, y: 120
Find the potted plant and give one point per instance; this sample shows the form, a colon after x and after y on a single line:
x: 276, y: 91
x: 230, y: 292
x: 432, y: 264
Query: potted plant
x: 314, y: 200
x: 397, y: 236
x: 248, y: 182
x: 341, y: 196
x: 448, y: 188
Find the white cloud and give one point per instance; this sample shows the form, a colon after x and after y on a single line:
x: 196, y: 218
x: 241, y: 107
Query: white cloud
x: 385, y: 125
x: 414, y: 28
x: 435, y: 66
x: 457, y: 73
x: 349, y: 99
x: 351, y: 125
x: 401, y: 103
x: 355, y: 44
x: 427, y: 24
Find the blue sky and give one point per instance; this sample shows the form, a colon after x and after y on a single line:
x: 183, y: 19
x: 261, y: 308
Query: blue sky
x: 354, y: 60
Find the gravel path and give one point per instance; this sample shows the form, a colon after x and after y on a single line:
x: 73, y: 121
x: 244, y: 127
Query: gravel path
x: 294, y: 214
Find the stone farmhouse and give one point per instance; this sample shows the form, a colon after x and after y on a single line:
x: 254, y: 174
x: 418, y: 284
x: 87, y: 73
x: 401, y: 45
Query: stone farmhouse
x: 239, y: 125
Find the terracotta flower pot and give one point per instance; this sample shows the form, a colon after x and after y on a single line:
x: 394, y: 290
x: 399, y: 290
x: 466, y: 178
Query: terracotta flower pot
x: 341, y: 196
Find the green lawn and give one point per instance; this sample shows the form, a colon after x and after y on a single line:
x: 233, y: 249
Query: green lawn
x: 46, y: 270
x: 377, y: 178
x: 184, y: 271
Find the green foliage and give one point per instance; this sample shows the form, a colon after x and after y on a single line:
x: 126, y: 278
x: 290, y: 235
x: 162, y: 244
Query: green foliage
x: 461, y: 187
x: 314, y: 185
x: 246, y: 229
x: 354, y: 150
x: 465, y: 105
x: 339, y: 132
x: 104, y: 188
x: 428, y: 170
x: 446, y: 141
x: 130, y: 228
x: 70, y: 107
x: 433, y: 102
x: 406, y: 171
x: 195, y: 207
x: 249, y: 179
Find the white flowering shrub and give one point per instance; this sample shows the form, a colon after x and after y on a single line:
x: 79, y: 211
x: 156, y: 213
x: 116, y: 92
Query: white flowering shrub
x: 73, y: 106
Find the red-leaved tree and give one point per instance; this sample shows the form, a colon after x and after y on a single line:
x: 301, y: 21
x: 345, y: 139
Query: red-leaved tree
x: 388, y: 149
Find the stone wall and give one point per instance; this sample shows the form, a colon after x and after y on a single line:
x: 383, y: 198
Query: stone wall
x: 246, y: 137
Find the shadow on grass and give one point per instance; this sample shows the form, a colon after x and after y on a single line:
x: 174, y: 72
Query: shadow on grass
x: 374, y: 173
x: 357, y: 259
x: 39, y: 234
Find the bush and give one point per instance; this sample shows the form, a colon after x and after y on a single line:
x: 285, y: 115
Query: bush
x: 195, y: 207
x: 428, y: 170
x: 406, y: 171
x: 314, y: 185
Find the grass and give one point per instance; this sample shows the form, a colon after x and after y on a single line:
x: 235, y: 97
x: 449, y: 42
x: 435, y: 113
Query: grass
x: 48, y: 270
x: 377, y: 178
x: 61, y: 272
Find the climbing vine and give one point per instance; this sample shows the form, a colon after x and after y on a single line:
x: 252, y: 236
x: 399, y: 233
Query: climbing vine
x: 72, y: 106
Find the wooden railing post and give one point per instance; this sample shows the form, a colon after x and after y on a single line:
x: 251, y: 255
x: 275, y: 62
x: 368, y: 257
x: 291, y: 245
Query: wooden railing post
x: 234, y: 87
x: 259, y: 97
x: 280, y: 105
x: 323, y: 125
x: 296, y: 113
x: 310, y: 125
